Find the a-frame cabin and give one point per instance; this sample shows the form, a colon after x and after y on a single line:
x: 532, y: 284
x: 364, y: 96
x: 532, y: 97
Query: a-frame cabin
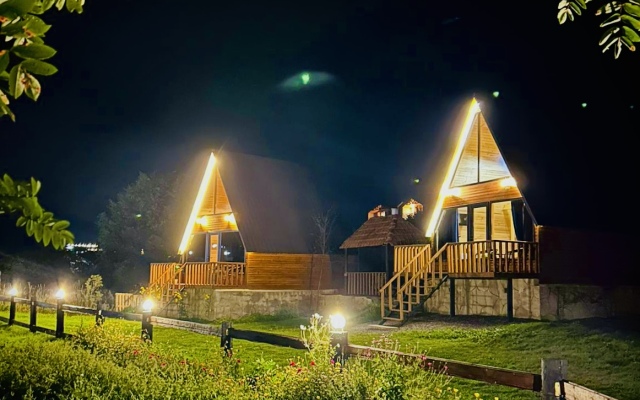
x: 480, y: 226
x: 251, y: 227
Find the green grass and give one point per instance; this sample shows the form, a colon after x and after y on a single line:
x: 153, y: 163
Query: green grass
x: 603, y: 355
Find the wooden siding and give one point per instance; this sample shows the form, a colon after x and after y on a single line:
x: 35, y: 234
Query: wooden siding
x: 215, y: 199
x: 487, y: 158
x: 221, y: 201
x: 287, y: 271
x: 215, y: 223
x: 482, y: 193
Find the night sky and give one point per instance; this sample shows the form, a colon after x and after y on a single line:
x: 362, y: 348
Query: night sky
x: 144, y: 85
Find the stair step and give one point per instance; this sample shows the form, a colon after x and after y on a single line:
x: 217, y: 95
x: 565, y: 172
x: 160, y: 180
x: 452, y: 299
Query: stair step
x: 387, y: 318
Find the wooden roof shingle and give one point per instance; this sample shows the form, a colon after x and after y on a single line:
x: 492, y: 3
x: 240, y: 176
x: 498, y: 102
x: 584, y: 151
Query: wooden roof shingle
x: 379, y: 231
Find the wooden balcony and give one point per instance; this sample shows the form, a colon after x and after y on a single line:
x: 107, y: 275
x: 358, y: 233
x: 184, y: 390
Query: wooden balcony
x: 198, y: 274
x: 492, y: 259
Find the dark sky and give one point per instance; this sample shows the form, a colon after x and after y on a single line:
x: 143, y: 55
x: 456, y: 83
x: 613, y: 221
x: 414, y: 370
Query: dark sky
x: 143, y: 85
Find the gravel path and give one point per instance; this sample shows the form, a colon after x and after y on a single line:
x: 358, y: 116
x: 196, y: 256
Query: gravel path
x: 430, y: 322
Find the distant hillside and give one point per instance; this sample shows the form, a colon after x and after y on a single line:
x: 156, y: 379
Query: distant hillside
x: 19, y: 268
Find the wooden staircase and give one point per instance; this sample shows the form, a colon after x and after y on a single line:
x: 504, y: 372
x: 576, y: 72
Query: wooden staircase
x: 166, y: 282
x: 403, y: 296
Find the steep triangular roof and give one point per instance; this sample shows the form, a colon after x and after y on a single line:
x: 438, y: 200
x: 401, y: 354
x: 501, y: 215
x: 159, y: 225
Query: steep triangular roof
x: 273, y: 202
x: 380, y: 231
x: 476, y: 158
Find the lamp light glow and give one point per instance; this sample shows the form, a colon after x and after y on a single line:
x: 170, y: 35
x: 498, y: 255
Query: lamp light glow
x: 337, y: 322
x: 186, y: 237
x: 455, y: 191
x: 201, y: 220
x: 474, y: 109
x: 147, y: 305
x: 60, y: 294
x: 13, y: 292
x: 508, y: 182
x: 230, y: 218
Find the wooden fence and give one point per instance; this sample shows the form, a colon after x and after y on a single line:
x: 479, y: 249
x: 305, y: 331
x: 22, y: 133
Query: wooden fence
x: 127, y: 300
x: 551, y: 382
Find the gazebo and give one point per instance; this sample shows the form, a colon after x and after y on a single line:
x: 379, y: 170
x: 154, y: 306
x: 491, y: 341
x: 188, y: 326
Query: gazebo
x: 384, y: 228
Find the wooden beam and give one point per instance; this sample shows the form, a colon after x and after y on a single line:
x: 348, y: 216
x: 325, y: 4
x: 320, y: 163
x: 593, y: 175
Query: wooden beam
x: 452, y: 296
x: 571, y: 391
x: 484, y: 373
x: 277, y: 340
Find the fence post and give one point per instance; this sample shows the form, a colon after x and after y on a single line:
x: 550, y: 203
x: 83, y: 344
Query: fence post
x: 32, y: 314
x: 226, y: 341
x: 99, y: 316
x: 553, y: 370
x: 12, y: 309
x: 147, y: 326
x: 59, y: 319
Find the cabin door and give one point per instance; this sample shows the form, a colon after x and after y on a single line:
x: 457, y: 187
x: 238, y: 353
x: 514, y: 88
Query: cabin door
x: 478, y: 223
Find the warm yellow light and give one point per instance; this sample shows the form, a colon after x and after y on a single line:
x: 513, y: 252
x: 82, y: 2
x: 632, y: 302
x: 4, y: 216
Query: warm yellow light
x: 201, y: 220
x: 60, y: 294
x: 197, y: 204
x: 453, y: 192
x: 474, y: 108
x: 13, y: 292
x: 230, y: 218
x: 337, y: 322
x: 147, y: 305
x: 508, y: 182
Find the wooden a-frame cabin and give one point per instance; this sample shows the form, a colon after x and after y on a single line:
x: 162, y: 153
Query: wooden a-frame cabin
x: 480, y: 226
x: 250, y: 227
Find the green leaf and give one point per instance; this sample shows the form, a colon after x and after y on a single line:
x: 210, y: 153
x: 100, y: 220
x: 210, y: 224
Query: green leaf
x: 4, y: 75
x: 75, y: 5
x: 38, y: 232
x: 575, y: 8
x: 57, y: 242
x: 42, y: 6
x: 634, y: 23
x: 39, y: 67
x: 631, y: 34
x: 627, y: 42
x: 46, y: 217
x: 32, y: 87
x: 631, y: 9
x: 60, y: 225
x: 15, y: 29
x: 21, y: 221
x: 5, y: 110
x: 612, y: 19
x: 4, y: 60
x: 582, y: 3
x: 46, y: 235
x: 16, y: 87
x: 29, y: 228
x: 20, y: 7
x: 35, y: 186
x: 37, y: 51
x: 35, y: 26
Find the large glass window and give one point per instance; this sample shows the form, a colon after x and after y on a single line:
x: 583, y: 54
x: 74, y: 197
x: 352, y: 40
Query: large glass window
x: 502, y: 217
x: 231, y: 247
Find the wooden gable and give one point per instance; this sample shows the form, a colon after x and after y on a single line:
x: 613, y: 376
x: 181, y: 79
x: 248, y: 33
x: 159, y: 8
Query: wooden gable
x: 481, y: 160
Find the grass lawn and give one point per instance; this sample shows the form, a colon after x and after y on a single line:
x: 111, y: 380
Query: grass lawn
x: 603, y: 355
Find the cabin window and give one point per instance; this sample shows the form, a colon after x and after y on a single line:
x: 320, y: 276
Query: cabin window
x: 502, y: 221
x: 196, y: 252
x: 463, y: 223
x: 231, y: 247
x: 479, y: 223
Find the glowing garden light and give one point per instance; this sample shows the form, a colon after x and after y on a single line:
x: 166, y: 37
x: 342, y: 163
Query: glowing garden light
x: 147, y: 305
x: 13, y: 292
x: 60, y: 294
x: 337, y: 322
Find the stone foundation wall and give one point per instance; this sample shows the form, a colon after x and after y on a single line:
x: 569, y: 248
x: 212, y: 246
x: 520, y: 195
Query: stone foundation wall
x: 488, y: 297
x: 215, y: 304
x: 534, y: 301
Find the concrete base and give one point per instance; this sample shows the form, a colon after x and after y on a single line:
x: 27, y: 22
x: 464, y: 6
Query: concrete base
x: 216, y: 304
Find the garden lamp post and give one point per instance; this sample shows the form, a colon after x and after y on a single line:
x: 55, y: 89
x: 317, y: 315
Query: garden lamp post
x: 147, y: 327
x: 59, y: 313
x: 12, y: 305
x: 339, y: 337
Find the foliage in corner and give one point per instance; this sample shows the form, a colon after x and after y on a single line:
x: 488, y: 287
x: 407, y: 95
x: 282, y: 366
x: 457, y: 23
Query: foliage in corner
x: 622, y: 22
x: 22, y: 48
x: 20, y: 198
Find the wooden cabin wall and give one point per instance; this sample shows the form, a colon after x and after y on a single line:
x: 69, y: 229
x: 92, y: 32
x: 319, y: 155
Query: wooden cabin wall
x: 584, y: 257
x: 287, y: 271
x: 482, y: 193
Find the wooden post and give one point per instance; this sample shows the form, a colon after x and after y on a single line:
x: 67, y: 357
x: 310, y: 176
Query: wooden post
x: 510, y: 299
x: 147, y: 326
x: 207, y: 247
x: 99, y: 316
x: 59, y: 319
x: 386, y: 262
x: 452, y: 297
x: 346, y: 268
x: 225, y: 339
x: 553, y: 370
x: 12, y: 310
x: 32, y: 314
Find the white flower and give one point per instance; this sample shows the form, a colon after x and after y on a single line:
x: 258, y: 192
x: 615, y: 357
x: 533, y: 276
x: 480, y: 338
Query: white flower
x: 303, y: 328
